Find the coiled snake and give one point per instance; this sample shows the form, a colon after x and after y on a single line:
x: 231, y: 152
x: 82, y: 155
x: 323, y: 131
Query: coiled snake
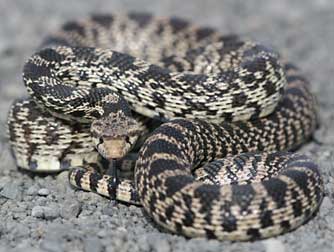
x: 199, y: 174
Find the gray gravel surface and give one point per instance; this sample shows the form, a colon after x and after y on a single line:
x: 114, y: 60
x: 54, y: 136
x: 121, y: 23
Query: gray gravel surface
x: 45, y: 214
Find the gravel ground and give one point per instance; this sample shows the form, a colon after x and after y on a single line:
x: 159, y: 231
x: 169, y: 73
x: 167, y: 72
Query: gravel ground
x: 45, y: 214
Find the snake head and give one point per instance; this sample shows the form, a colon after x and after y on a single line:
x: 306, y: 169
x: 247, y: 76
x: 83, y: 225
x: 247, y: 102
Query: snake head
x: 115, y: 135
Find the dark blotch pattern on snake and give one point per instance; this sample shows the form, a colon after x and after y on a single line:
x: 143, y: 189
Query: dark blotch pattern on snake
x: 218, y: 167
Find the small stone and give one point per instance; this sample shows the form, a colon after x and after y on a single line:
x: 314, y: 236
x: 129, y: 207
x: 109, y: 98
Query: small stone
x: 92, y: 244
x: 111, y: 248
x: 58, y: 231
x: 44, y: 212
x: 161, y: 245
x: 41, y: 201
x: 52, y: 245
x: 70, y: 209
x: 133, y: 208
x: 28, y: 248
x: 121, y: 231
x: 330, y: 222
x: 37, y: 211
x: 63, y: 177
x: 102, y: 233
x: 2, y: 229
x: 43, y: 192
x: 326, y: 203
x: 155, y: 242
x: 109, y: 209
x: 24, y: 245
x: 51, y: 213
x: 17, y: 216
x: 4, y: 248
x: 142, y: 243
x: 274, y: 245
x: 11, y: 191
x: 32, y: 190
x: 4, y: 180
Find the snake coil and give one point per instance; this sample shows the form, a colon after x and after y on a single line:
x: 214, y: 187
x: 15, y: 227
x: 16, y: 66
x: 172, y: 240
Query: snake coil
x: 218, y: 167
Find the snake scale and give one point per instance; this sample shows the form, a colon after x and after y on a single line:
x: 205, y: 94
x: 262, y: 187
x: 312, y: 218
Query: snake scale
x: 230, y: 108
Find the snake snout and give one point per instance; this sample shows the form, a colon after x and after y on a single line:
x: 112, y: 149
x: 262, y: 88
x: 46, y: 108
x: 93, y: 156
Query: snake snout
x: 113, y: 148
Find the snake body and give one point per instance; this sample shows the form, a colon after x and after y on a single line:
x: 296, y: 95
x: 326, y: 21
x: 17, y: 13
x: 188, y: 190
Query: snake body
x: 199, y: 175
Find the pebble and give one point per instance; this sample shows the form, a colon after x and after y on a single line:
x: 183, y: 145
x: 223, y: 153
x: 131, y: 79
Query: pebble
x: 28, y: 248
x: 102, y: 233
x: 62, y: 178
x: 160, y: 245
x: 32, y: 190
x: 70, y: 209
x: 41, y: 201
x: 51, y: 213
x: 153, y: 242
x: 326, y: 205
x: 4, y: 180
x: 43, y: 192
x: 37, y: 211
x: 52, y: 245
x: 45, y: 212
x: 19, y: 231
x: 274, y: 245
x: 4, y: 248
x: 11, y: 191
x: 92, y: 244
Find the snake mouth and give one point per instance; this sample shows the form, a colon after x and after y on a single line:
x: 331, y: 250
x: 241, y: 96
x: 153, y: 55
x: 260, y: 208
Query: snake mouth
x: 113, y: 148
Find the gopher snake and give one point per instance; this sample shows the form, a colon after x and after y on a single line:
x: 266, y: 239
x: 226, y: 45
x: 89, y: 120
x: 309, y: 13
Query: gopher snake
x: 227, y: 97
